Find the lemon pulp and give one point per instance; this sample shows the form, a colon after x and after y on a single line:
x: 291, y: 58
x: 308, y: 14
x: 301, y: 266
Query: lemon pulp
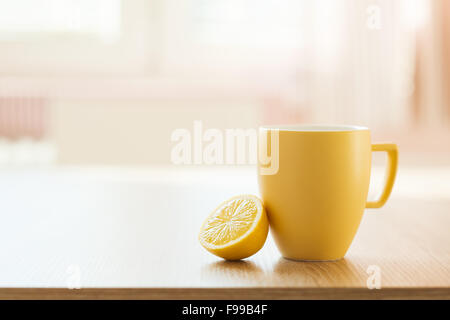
x: 236, y: 229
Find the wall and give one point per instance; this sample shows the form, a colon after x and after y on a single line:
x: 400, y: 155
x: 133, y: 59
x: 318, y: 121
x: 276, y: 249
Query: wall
x: 136, y: 131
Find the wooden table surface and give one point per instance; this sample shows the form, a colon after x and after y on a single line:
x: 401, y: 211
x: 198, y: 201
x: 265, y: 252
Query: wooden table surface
x: 132, y: 234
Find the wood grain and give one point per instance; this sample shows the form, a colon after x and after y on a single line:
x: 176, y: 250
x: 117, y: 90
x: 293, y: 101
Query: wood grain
x: 133, y: 235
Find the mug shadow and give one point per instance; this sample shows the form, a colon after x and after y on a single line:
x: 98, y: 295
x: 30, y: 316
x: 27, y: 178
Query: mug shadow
x: 327, y: 273
x: 287, y: 273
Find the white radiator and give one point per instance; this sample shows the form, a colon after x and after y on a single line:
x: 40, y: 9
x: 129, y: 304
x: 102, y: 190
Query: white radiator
x: 24, y: 128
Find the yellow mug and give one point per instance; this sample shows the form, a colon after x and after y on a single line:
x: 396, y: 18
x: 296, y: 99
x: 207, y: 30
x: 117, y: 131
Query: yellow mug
x: 316, y: 192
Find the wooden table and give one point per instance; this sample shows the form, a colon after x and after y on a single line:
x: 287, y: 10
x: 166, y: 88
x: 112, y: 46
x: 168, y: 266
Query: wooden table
x: 132, y: 234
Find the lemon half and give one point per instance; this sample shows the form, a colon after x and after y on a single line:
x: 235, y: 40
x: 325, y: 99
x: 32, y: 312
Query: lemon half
x: 236, y: 229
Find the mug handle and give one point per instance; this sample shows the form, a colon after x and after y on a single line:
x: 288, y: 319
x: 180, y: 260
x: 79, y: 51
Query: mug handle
x: 391, y: 171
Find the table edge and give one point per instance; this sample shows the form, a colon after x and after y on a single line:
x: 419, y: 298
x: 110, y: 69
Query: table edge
x: 251, y: 293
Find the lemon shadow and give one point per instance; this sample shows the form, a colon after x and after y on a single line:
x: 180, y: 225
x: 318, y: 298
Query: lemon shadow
x: 246, y: 272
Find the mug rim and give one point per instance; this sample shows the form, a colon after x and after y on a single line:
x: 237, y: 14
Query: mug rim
x: 315, y: 128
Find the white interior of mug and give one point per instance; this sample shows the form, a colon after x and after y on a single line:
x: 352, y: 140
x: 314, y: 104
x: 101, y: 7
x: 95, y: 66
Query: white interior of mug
x: 315, y: 128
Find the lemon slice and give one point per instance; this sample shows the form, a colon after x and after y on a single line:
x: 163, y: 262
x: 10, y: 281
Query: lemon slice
x: 236, y: 229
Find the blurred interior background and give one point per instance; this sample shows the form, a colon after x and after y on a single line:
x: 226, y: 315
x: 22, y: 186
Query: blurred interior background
x: 105, y: 82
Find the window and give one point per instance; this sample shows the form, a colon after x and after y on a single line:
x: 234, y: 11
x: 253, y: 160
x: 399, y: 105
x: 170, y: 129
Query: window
x: 24, y: 19
x: 235, y: 37
x: 248, y: 23
x: 78, y: 37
